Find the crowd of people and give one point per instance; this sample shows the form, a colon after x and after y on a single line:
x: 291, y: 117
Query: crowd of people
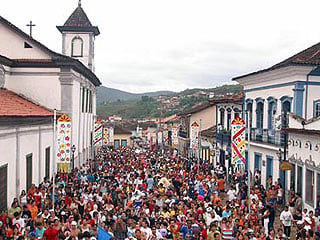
x: 140, y: 194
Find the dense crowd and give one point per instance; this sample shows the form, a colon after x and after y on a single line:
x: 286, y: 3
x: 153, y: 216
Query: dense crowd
x: 146, y: 195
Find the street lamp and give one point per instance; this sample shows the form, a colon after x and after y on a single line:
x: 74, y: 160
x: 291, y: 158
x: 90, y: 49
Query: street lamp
x: 279, y: 154
x: 73, y: 149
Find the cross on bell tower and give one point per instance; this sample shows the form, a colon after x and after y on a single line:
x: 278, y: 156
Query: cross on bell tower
x: 30, y: 25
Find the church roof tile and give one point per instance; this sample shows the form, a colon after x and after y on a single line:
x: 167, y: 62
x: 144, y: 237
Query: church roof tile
x: 11, y: 104
x: 78, y: 19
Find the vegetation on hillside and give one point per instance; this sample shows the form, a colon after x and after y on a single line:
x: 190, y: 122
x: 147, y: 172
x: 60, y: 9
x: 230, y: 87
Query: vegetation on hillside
x: 147, y: 106
x: 131, y: 109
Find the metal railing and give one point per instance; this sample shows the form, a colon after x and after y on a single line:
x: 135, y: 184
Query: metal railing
x: 270, y: 136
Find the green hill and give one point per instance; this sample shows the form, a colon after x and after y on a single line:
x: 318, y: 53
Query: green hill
x: 107, y: 95
x: 130, y: 109
x: 139, y: 107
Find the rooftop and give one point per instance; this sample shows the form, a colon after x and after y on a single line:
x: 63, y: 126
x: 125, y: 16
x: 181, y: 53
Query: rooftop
x: 11, y: 104
x: 237, y: 97
x: 196, y: 108
x: 79, y: 21
x: 210, y: 132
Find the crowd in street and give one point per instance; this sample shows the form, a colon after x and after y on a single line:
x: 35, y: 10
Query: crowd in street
x: 140, y: 194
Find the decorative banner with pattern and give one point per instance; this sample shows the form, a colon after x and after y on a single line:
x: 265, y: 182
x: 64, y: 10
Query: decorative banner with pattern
x: 106, y: 136
x: 64, y: 144
x: 98, y: 134
x: 111, y: 135
x: 194, y: 135
x: 238, y: 141
x: 174, y: 135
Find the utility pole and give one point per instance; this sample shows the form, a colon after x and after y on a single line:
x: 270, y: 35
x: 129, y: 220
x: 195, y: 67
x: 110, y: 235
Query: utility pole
x: 199, y: 146
x: 248, y: 158
x: 54, y: 155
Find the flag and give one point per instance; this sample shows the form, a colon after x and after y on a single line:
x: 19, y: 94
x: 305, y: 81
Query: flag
x: 103, y: 234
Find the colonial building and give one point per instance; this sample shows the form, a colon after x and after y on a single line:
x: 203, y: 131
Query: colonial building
x: 292, y: 85
x: 122, y: 137
x: 44, y: 80
x: 227, y: 109
x: 204, y: 114
x: 304, y: 155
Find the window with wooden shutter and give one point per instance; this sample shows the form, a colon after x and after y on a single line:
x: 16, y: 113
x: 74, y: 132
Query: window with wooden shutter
x: 3, y: 187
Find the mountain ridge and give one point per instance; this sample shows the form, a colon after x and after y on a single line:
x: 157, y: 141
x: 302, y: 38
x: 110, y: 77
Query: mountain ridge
x: 109, y: 95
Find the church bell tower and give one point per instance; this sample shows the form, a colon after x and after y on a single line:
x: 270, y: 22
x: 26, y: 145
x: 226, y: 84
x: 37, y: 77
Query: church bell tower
x: 78, y: 37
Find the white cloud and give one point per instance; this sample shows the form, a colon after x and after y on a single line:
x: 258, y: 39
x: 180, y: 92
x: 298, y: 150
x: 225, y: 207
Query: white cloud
x: 148, y: 45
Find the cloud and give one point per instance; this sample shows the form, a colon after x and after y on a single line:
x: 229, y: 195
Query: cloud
x: 148, y: 45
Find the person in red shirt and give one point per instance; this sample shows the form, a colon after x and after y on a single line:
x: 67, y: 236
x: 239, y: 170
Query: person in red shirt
x: 51, y: 233
x: 221, y: 183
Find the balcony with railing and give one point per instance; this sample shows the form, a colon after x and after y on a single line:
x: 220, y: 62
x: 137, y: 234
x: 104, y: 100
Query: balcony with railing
x: 269, y: 136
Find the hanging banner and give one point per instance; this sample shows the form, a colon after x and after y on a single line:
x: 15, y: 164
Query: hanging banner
x: 194, y: 135
x: 106, y: 136
x: 159, y: 137
x: 64, y: 144
x: 165, y: 136
x: 238, y: 141
x: 111, y: 135
x: 98, y: 136
x: 174, y: 135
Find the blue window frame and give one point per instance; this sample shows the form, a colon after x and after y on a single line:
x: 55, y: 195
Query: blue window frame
x: 257, y: 161
x: 222, y: 117
x: 116, y: 144
x: 316, y: 108
x: 123, y: 143
x: 272, y: 109
x: 269, y: 166
x: 286, y: 104
x: 229, y: 118
x: 249, y: 110
x: 259, y: 112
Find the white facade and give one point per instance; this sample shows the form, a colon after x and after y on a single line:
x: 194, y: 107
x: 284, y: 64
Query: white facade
x: 17, y: 143
x: 227, y: 111
x: 304, y: 154
x: 269, y: 94
x: 53, y: 81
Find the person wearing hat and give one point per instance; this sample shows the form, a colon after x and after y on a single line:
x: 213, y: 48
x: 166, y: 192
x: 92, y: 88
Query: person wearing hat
x: 74, y: 231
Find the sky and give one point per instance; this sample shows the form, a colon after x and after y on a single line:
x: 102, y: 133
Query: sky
x: 151, y: 45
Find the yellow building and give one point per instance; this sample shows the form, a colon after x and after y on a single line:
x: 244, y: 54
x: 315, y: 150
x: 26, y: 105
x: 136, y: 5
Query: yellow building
x: 121, y: 137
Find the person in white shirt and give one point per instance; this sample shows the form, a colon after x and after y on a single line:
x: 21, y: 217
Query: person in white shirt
x: 231, y: 193
x: 286, y: 220
x: 144, y: 228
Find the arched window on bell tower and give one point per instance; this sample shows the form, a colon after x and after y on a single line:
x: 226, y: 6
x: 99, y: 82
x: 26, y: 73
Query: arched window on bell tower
x: 77, y: 47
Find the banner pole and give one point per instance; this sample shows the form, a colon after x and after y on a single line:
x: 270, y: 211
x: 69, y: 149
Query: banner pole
x: 248, y: 159
x: 54, y: 155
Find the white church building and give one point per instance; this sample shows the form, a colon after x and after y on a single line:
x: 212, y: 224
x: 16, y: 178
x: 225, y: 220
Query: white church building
x: 34, y: 80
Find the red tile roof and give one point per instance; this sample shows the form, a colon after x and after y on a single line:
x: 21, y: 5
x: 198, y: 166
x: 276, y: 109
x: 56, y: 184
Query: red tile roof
x: 33, y: 60
x: 12, y: 104
x: 237, y: 97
